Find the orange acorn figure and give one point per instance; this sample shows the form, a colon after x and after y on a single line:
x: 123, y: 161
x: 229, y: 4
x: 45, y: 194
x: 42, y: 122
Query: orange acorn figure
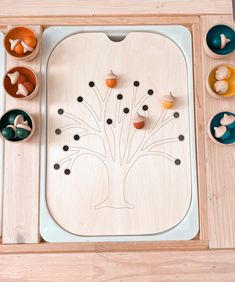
x: 111, y: 79
x: 139, y: 121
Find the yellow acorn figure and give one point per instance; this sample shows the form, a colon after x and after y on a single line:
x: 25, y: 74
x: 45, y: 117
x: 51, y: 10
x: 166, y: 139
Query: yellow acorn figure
x: 168, y: 101
x: 111, y: 79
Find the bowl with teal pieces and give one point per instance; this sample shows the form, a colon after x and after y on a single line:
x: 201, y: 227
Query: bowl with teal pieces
x: 220, y: 40
x: 222, y: 128
x: 16, y: 125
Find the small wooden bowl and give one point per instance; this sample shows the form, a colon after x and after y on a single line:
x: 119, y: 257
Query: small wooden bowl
x: 216, y: 31
x: 19, y: 33
x: 215, y: 122
x: 211, y: 80
x: 4, y: 122
x: 12, y: 89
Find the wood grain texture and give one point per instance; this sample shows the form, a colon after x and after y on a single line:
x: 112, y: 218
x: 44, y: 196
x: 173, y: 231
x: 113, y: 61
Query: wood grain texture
x: 21, y: 171
x: 216, y: 266
x: 117, y: 173
x: 99, y: 20
x: 90, y: 8
x: 200, y: 132
x: 44, y: 247
x: 220, y: 162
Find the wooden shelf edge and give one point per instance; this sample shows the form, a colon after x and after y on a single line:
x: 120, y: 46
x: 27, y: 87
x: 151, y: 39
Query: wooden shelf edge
x: 194, y: 245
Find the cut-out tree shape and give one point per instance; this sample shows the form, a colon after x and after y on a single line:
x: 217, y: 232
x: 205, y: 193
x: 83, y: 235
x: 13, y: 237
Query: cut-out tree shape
x: 119, y: 154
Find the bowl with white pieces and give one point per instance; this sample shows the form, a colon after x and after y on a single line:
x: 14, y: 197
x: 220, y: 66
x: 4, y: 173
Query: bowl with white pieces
x: 21, y: 43
x: 219, y: 41
x: 221, y: 128
x: 220, y: 81
x: 16, y: 125
x: 21, y: 83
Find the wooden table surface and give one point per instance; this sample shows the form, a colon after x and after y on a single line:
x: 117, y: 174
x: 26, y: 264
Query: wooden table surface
x: 207, y: 263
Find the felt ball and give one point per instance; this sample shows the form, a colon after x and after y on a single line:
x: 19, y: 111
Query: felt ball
x: 8, y: 133
x: 11, y: 118
x: 22, y: 133
x: 30, y: 40
x: 19, y: 49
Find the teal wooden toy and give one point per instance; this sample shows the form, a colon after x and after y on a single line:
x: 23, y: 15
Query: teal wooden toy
x: 8, y: 132
x: 22, y: 133
x: 11, y: 118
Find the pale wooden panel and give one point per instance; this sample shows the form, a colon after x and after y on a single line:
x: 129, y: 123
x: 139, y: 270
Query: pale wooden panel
x: 220, y: 163
x: 101, y: 7
x: 209, y: 266
x: 99, y: 20
x: 117, y: 187
x: 21, y: 175
x: 200, y: 132
x: 140, y: 246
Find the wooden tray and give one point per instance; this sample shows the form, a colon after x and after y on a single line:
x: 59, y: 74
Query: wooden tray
x: 117, y: 187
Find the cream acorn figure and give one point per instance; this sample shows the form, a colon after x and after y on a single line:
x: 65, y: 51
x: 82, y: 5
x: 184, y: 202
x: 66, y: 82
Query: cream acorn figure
x: 219, y: 42
x: 223, y: 72
x: 111, y: 79
x: 228, y: 121
x: 139, y: 121
x: 168, y: 101
x: 221, y: 132
x: 221, y: 87
x: 16, y: 78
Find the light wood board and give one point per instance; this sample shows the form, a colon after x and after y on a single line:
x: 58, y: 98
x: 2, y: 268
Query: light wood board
x: 220, y: 162
x: 122, y: 181
x: 188, y: 266
x: 21, y: 171
x: 97, y: 7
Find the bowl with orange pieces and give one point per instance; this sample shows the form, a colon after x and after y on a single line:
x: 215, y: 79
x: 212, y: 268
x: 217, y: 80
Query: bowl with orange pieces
x: 21, y: 83
x: 21, y: 43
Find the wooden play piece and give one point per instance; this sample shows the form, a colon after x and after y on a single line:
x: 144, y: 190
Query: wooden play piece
x: 138, y: 121
x: 168, y: 101
x: 21, y: 83
x: 221, y: 87
x: 220, y: 42
x: 104, y: 177
x: 111, y: 79
x: 21, y: 43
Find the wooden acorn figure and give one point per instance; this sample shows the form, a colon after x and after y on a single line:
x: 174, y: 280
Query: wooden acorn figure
x: 111, y: 79
x: 219, y: 42
x: 228, y: 121
x: 221, y: 86
x: 20, y: 47
x: 25, y: 88
x: 222, y: 132
x: 16, y: 46
x: 16, y: 78
x: 223, y: 72
x: 139, y: 121
x: 168, y: 101
x: 9, y: 132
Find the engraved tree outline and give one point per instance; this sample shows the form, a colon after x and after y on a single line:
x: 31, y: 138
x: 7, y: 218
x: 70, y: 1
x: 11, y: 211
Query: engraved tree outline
x: 110, y: 131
